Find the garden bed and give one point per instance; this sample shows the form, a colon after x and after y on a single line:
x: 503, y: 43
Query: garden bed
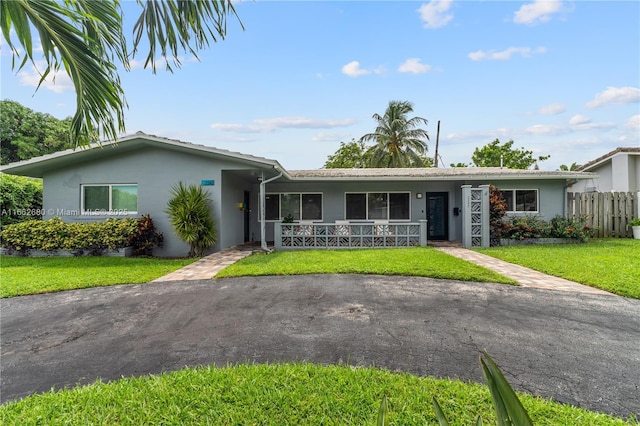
x: 537, y: 241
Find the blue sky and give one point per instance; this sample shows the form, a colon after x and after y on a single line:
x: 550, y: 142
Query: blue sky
x: 559, y: 78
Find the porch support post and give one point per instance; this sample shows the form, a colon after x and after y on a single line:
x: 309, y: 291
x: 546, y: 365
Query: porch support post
x: 263, y: 233
x: 486, y: 227
x: 277, y: 235
x: 423, y: 232
x: 466, y: 216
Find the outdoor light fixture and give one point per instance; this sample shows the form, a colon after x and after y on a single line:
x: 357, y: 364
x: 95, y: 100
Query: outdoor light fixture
x: 418, y: 195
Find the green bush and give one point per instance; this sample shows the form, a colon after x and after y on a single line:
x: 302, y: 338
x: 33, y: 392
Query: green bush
x: 20, y: 199
x: 523, y: 227
x: 92, y: 237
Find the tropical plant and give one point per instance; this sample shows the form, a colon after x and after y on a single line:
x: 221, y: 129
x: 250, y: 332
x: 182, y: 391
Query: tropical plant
x: 508, y: 408
x: 635, y: 222
x: 496, y: 154
x: 191, y: 217
x: 399, y: 141
x: 86, y: 40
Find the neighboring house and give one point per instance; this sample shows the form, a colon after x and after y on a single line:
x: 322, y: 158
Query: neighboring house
x: 135, y: 175
x: 617, y: 171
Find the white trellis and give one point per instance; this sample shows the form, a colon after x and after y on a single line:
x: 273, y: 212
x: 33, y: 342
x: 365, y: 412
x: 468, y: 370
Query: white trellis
x: 475, y: 216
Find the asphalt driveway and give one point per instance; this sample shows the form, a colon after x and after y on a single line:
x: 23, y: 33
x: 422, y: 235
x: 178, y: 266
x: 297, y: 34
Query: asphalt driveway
x: 579, y: 349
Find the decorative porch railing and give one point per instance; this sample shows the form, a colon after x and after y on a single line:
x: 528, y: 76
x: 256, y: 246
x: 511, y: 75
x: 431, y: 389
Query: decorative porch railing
x: 292, y: 236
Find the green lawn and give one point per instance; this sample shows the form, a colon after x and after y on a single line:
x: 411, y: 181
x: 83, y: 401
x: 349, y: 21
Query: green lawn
x: 279, y: 394
x: 418, y: 261
x: 611, y: 264
x: 31, y: 275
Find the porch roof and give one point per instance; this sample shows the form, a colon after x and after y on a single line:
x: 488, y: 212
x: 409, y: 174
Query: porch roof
x: 456, y: 173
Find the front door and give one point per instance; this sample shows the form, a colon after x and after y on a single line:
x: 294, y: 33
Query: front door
x: 438, y: 215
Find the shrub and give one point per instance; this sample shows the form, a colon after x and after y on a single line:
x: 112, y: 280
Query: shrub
x: 562, y: 227
x: 93, y: 237
x: 524, y: 227
x: 20, y: 199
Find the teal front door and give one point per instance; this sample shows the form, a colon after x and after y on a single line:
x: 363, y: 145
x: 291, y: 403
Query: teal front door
x: 438, y: 216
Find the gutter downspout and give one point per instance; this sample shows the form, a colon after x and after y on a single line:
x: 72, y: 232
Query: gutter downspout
x: 263, y: 238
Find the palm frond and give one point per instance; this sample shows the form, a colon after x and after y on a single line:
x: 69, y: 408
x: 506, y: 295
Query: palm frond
x: 175, y: 26
x: 78, y: 36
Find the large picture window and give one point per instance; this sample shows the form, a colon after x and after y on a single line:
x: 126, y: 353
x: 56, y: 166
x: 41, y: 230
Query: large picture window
x: 521, y: 200
x: 300, y: 206
x: 109, y: 198
x: 377, y: 206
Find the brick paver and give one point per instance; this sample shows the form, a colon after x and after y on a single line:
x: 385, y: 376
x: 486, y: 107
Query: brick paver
x: 207, y: 267
x: 526, y: 277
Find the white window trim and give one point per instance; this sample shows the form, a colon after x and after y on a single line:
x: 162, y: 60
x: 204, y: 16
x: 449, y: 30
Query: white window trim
x: 537, y: 210
x: 110, y: 211
x: 308, y: 221
x: 344, y: 213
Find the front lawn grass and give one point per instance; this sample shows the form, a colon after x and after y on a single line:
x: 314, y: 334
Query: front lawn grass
x: 611, y: 264
x: 33, y: 275
x: 417, y: 261
x: 278, y: 394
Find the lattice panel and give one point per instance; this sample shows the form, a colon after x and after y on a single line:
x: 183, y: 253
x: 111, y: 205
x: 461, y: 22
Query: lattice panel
x: 299, y: 236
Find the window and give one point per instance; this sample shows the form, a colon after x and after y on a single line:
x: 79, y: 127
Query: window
x: 377, y: 206
x: 521, y: 200
x: 109, y: 198
x: 299, y: 206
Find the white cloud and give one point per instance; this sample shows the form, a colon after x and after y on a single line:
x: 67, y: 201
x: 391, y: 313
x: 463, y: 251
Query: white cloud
x: 329, y: 137
x: 537, y: 12
x: 352, y: 69
x: 266, y: 125
x: 525, y: 52
x: 552, y: 109
x: 302, y: 122
x: 615, y: 95
x: 633, y: 123
x: 57, y: 81
x: 434, y: 14
x: 413, y: 65
x: 579, y: 119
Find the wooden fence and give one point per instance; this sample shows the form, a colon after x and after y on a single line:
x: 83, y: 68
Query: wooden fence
x: 608, y: 212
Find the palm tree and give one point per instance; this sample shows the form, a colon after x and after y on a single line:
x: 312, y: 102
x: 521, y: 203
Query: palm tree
x: 399, y: 141
x: 85, y: 39
x: 572, y: 168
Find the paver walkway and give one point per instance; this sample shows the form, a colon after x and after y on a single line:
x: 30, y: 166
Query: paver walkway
x: 207, y: 267
x: 526, y: 277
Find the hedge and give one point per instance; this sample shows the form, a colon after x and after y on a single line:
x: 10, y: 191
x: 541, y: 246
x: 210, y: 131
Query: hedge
x: 93, y: 237
x: 20, y: 199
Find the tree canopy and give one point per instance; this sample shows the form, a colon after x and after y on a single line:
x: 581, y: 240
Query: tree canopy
x: 86, y: 40
x: 25, y: 133
x: 356, y: 154
x: 399, y: 141
x: 496, y: 154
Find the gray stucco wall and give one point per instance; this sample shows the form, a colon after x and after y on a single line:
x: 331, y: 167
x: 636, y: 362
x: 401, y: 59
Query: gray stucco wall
x: 155, y: 171
x: 551, y: 194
